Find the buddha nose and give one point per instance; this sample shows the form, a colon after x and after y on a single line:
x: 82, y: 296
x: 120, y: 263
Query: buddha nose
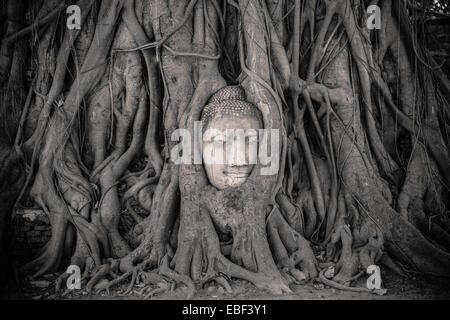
x: 237, y: 153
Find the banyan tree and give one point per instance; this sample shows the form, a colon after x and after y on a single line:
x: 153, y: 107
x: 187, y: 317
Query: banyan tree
x: 97, y: 123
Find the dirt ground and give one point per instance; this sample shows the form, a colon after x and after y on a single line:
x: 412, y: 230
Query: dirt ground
x: 411, y: 288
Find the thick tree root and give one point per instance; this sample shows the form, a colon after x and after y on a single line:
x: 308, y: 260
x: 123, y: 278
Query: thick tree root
x: 337, y: 285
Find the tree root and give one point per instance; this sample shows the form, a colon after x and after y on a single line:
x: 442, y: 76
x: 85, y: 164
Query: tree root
x: 336, y: 285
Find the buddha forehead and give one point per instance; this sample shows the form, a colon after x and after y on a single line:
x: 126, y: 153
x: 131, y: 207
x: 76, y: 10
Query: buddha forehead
x: 230, y: 122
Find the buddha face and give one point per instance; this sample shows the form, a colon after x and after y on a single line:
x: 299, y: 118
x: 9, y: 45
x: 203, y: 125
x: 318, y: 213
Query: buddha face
x: 230, y: 149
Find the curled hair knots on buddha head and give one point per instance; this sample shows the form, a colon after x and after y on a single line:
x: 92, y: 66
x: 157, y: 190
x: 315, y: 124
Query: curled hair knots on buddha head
x: 229, y: 101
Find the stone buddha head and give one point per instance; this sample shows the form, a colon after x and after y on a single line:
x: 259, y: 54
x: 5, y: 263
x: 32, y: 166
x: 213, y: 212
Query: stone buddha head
x: 230, y: 143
